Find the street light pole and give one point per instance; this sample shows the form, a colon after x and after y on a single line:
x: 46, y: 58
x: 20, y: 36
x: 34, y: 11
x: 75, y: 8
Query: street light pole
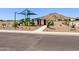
x: 15, y: 19
x: 15, y: 16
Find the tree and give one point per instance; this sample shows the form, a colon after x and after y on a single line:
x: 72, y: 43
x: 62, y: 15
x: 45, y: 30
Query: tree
x: 27, y: 21
x: 32, y: 23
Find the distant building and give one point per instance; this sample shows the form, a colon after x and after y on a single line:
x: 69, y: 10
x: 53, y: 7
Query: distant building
x: 77, y: 19
x: 72, y: 19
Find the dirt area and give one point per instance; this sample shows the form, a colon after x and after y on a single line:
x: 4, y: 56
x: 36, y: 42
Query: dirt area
x: 59, y: 27
x: 9, y: 26
x: 28, y: 28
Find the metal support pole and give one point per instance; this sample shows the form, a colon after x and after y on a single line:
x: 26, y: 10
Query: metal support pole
x: 15, y: 19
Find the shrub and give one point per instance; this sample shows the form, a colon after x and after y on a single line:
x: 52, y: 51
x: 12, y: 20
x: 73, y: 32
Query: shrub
x: 66, y: 22
x: 15, y: 25
x: 52, y: 22
x: 32, y: 23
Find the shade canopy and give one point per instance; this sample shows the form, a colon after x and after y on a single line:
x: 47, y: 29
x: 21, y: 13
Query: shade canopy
x: 23, y: 13
x: 27, y: 12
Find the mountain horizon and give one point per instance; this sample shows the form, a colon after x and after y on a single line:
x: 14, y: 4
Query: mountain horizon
x: 55, y: 16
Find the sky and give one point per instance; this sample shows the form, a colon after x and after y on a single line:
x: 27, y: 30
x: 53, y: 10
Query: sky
x: 8, y: 13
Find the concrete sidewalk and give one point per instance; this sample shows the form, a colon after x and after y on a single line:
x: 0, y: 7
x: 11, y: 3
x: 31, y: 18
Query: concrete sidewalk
x: 45, y: 33
x: 40, y: 29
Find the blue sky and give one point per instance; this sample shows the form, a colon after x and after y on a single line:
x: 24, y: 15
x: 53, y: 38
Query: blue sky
x: 8, y: 13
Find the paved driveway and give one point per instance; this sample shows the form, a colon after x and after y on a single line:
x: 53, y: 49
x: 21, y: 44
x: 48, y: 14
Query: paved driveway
x: 34, y: 42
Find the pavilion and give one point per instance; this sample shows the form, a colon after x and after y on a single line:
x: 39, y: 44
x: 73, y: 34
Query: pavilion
x: 27, y: 13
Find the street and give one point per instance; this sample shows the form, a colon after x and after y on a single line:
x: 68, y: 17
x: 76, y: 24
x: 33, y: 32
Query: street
x: 38, y: 42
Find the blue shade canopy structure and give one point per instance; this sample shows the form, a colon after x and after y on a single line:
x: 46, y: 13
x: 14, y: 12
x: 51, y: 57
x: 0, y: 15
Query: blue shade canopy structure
x: 23, y: 13
x: 27, y: 13
x: 30, y: 13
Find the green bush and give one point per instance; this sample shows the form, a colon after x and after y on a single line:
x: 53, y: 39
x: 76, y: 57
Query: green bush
x: 66, y: 22
x: 27, y: 21
x: 50, y: 22
x: 16, y: 23
x: 32, y: 23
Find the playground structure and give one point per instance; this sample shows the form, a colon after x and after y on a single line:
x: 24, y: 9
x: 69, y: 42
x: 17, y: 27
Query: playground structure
x: 27, y: 21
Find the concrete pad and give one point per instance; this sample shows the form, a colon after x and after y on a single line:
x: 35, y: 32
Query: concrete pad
x: 41, y: 28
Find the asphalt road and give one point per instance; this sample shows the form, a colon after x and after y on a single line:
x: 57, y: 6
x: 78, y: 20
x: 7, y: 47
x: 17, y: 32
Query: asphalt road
x: 34, y: 42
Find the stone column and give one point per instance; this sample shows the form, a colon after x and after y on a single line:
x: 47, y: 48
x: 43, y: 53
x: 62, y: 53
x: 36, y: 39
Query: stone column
x: 33, y: 23
x: 40, y: 22
x: 37, y: 21
x: 44, y: 21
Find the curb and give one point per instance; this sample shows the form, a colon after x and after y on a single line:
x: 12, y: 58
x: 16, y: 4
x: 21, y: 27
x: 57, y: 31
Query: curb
x: 38, y: 32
